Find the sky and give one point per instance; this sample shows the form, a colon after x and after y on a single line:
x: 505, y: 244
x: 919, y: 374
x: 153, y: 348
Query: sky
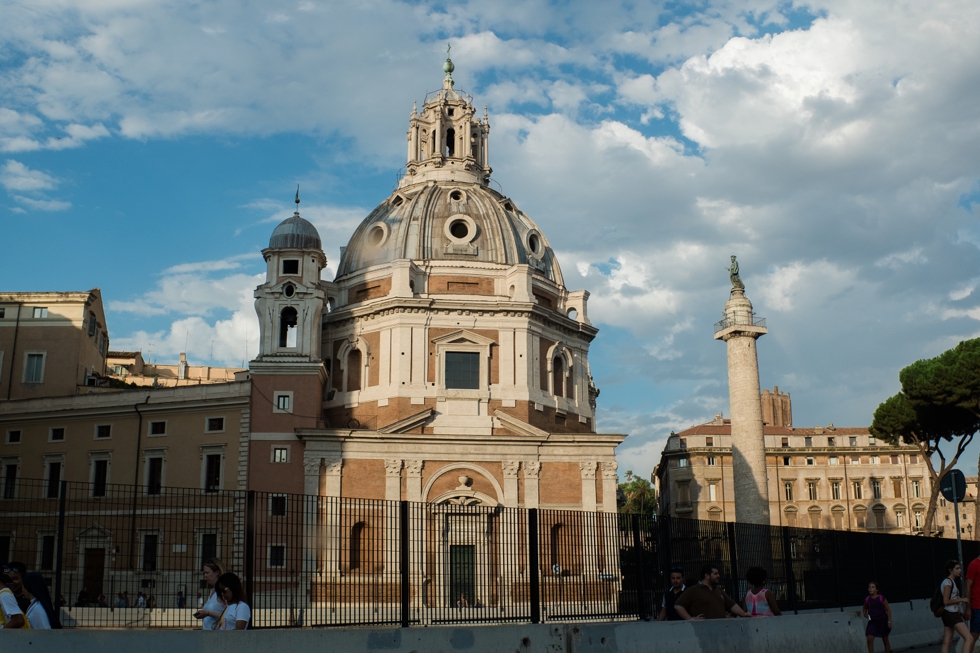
x: 149, y: 148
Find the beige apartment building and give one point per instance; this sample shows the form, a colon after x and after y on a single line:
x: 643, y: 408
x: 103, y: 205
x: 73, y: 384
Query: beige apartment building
x: 820, y: 477
x: 52, y: 344
x: 130, y: 368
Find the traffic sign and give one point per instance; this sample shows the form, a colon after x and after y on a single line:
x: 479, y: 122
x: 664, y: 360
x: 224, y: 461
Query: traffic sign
x: 953, y: 486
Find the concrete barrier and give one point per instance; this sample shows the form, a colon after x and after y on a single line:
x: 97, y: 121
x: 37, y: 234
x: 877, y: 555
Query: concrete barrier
x: 810, y: 633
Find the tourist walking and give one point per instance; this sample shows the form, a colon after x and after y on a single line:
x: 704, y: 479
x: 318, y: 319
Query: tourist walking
x: 677, y: 587
x: 952, y: 614
x: 879, y: 615
x: 41, y: 614
x: 236, y: 614
x: 214, y: 606
x: 11, y: 616
x: 707, y: 600
x: 759, y: 601
x: 972, y: 591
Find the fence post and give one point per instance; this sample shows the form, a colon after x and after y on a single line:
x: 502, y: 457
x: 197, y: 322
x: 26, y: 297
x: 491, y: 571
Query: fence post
x: 60, y: 543
x: 840, y: 597
x: 790, y: 577
x: 641, y: 603
x: 404, y: 562
x: 250, y: 546
x: 533, y: 565
x: 733, y: 558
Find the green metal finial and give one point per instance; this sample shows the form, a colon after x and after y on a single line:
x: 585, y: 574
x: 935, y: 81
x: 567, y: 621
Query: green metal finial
x: 448, y: 67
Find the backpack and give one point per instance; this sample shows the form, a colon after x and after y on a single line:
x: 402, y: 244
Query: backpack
x: 936, y: 603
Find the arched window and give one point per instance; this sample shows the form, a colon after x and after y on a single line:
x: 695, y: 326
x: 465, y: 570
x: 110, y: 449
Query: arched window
x: 287, y: 327
x: 354, y: 370
x: 450, y: 142
x: 558, y: 377
x: 356, y: 546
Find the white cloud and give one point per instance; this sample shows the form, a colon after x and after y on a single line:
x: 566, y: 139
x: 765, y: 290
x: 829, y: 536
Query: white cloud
x: 16, y: 176
x: 899, y: 259
x: 43, y: 205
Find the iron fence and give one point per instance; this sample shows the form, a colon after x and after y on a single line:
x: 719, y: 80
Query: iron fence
x: 119, y: 556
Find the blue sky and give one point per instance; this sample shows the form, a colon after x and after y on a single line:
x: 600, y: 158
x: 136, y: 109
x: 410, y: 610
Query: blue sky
x: 150, y: 148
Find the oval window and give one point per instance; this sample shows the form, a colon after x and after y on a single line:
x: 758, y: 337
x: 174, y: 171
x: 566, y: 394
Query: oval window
x: 288, y: 290
x: 534, y: 243
x: 376, y: 235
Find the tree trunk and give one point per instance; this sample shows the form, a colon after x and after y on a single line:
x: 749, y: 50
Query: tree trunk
x: 934, y: 477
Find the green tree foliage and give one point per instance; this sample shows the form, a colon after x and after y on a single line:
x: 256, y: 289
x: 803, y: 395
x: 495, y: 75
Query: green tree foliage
x: 939, y: 402
x: 638, y: 495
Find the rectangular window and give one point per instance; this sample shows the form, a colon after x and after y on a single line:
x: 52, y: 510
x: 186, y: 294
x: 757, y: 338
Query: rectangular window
x: 712, y: 492
x: 158, y: 428
x: 812, y: 490
x: 212, y: 473
x: 290, y: 266
x: 784, y: 443
x: 709, y: 442
x: 54, y: 480
x: 875, y: 460
x: 918, y: 518
x: 786, y: 461
x: 682, y: 462
x: 834, y: 460
x: 57, y: 434
x: 683, y: 443
x: 853, y: 441
x: 280, y: 455
x: 150, y: 551
x: 711, y: 461
x: 103, y: 431
x: 462, y: 370
x: 40, y: 312
x: 916, y: 490
x: 808, y: 441
x: 831, y: 442
x: 788, y: 491
x: 9, y: 482
x: 835, y: 490
x: 100, y: 477
x: 215, y: 424
x: 282, y: 403
x: 13, y: 437
x: 91, y: 324
x: 47, y: 553
x: 914, y: 459
x: 34, y: 368
x: 897, y: 489
x: 876, y: 489
x: 277, y: 555
x: 855, y: 460
x: 209, y: 547
x: 154, y: 475
x: 277, y: 505
x: 895, y: 460
x: 857, y: 490
x: 810, y: 461
x: 3, y: 312
x: 872, y: 441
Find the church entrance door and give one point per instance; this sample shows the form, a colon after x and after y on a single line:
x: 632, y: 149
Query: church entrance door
x: 462, y: 574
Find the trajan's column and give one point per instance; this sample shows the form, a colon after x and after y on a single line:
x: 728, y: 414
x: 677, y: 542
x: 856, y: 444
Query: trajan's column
x: 739, y: 328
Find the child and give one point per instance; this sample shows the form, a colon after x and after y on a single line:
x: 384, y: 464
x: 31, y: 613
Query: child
x: 237, y: 615
x: 759, y: 602
x: 879, y: 615
x: 10, y: 613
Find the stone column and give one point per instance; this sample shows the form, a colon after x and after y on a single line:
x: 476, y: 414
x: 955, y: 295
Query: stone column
x: 509, y: 524
x: 590, y: 559
x: 740, y: 328
x: 311, y: 521
x: 332, y: 517
x: 610, y: 535
x: 531, y: 470
x: 393, y: 494
x: 510, y: 468
x: 413, y: 469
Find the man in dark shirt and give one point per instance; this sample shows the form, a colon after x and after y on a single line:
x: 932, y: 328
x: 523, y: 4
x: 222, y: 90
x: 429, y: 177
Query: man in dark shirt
x: 677, y: 587
x: 707, y: 600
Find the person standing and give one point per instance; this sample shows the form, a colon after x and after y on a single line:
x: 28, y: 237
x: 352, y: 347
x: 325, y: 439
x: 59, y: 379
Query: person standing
x: 879, y: 615
x: 759, y: 601
x: 707, y: 600
x: 214, y: 606
x: 181, y: 600
x: 11, y: 616
x: 41, y: 614
x: 237, y: 614
x: 972, y: 591
x: 16, y: 571
x: 677, y: 587
x: 952, y: 616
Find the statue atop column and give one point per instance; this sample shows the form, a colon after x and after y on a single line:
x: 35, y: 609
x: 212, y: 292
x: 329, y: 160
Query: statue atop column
x: 733, y: 274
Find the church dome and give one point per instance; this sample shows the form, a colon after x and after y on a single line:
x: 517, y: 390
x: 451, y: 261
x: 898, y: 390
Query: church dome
x: 449, y: 221
x: 295, y: 233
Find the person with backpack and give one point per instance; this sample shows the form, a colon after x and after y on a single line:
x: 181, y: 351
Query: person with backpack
x: 951, y: 612
x: 879, y: 615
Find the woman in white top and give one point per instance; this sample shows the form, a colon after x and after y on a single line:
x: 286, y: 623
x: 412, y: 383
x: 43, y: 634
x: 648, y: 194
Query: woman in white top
x: 40, y: 613
x: 214, y: 606
x: 237, y: 614
x: 953, y: 614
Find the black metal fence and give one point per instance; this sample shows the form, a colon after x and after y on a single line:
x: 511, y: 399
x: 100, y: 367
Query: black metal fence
x: 125, y: 557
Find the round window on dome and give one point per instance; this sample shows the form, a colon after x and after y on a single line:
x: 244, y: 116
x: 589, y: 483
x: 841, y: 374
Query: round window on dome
x: 377, y: 235
x: 534, y: 246
x: 456, y: 196
x: 459, y: 229
x: 289, y: 290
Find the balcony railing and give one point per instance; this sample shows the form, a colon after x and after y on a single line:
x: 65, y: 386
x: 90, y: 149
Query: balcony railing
x: 739, y: 319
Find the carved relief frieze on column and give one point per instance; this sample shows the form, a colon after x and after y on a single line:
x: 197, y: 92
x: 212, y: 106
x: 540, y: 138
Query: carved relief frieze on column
x: 393, y: 480
x: 610, y: 484
x: 532, y: 469
x: 588, y: 468
x: 311, y: 474
x: 413, y: 469
x: 332, y: 475
x: 511, y: 469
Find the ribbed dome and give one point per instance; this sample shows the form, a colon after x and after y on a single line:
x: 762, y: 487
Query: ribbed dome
x: 295, y: 232
x: 449, y: 221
